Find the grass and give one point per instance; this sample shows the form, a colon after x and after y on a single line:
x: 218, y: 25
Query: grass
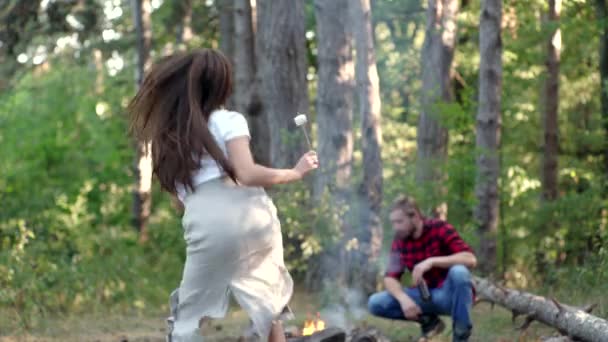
x: 491, y: 324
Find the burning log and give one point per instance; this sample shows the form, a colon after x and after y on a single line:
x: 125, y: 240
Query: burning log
x: 327, y: 335
x: 367, y: 335
x: 558, y: 339
x: 575, y: 323
x: 333, y: 334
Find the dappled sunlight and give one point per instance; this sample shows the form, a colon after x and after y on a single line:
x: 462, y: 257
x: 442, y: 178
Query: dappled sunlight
x: 519, y: 182
x: 115, y: 64
x: 102, y: 109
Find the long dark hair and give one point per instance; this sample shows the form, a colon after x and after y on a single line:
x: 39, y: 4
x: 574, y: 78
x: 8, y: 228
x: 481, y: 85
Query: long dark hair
x: 171, y: 111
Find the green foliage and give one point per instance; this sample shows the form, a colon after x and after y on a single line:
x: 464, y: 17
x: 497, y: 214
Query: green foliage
x: 65, y: 235
x: 307, y: 229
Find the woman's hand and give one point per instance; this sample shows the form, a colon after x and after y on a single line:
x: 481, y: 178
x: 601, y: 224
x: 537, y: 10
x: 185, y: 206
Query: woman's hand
x: 307, y: 163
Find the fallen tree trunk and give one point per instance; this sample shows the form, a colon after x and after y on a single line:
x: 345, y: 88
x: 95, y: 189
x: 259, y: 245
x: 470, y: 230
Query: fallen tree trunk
x: 575, y: 323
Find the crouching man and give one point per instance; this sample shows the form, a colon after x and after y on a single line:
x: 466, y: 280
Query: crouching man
x: 436, y: 255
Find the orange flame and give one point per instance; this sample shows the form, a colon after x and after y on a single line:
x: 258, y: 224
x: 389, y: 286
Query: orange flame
x: 312, y: 325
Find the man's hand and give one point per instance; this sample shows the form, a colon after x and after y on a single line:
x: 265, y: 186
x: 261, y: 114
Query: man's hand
x: 420, y: 269
x: 411, y: 311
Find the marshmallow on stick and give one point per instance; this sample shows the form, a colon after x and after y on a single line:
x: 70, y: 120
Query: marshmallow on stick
x: 301, y: 121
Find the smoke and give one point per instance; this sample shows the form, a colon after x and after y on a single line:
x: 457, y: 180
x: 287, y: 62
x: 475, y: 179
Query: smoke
x: 348, y: 307
x: 344, y: 268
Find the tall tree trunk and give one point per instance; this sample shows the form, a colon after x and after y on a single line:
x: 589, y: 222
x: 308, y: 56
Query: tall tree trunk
x: 142, y: 10
x: 551, y: 107
x: 99, y: 71
x: 437, y: 75
x: 488, y: 126
x: 334, y: 122
x: 225, y: 8
x: 334, y: 99
x: 244, y: 54
x: 368, y: 89
x: 227, y: 44
x: 246, y: 97
x: 602, y: 16
x: 184, y: 29
x: 281, y: 58
x: 18, y: 19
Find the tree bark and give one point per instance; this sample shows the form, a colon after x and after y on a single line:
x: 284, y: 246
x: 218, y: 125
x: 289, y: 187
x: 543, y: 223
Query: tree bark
x: 551, y: 99
x: 437, y: 75
x: 334, y: 122
x: 281, y: 57
x: 558, y: 339
x: 225, y: 8
x: 367, y: 334
x: 184, y: 29
x: 574, y: 322
x: 142, y: 11
x: 488, y: 124
x: 334, y: 99
x: 99, y: 72
x: 142, y: 204
x: 368, y: 89
x: 331, y: 334
x: 244, y: 54
x: 602, y: 16
x: 226, y: 16
x: 246, y: 97
x: 19, y: 19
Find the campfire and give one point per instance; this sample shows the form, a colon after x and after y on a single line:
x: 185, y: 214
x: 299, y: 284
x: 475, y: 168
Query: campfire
x: 312, y: 325
x: 334, y: 334
x: 315, y: 329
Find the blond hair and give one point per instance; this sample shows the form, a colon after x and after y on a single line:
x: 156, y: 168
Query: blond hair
x: 405, y: 203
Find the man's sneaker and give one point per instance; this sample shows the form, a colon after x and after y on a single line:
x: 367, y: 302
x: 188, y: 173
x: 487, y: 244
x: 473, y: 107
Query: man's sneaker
x: 461, y: 334
x: 431, y: 326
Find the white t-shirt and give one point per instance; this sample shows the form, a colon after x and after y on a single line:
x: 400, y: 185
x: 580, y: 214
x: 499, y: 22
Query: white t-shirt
x: 224, y: 126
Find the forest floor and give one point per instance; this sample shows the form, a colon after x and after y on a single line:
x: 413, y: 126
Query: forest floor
x: 491, y: 324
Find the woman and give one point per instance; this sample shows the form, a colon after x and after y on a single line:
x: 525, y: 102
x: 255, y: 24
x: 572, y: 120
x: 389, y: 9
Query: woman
x: 201, y: 153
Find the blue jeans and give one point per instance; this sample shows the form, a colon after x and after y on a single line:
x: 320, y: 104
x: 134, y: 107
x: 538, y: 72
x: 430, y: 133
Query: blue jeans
x: 453, y: 298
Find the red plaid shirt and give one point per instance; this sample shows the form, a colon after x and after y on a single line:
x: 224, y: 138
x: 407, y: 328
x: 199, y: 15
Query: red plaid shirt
x: 438, y: 238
